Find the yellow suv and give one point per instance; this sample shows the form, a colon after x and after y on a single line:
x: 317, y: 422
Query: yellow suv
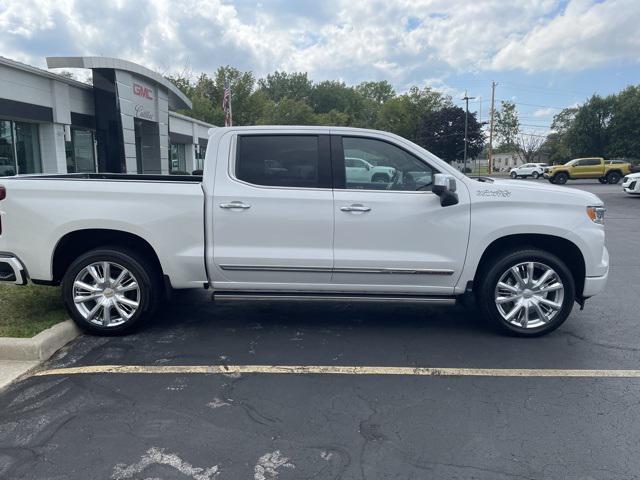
x: 606, y: 171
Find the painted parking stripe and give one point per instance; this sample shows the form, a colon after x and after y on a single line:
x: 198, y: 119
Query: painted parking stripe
x: 339, y: 370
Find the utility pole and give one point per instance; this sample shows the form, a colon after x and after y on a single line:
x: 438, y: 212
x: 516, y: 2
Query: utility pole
x: 493, y: 96
x: 466, y: 98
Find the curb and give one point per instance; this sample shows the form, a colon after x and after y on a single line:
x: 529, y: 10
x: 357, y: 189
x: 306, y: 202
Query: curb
x: 40, y: 347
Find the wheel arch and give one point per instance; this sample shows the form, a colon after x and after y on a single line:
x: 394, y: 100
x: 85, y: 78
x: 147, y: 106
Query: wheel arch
x: 565, y: 249
x: 76, y: 243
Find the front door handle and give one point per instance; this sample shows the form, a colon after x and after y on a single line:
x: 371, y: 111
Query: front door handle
x: 356, y: 207
x: 235, y: 204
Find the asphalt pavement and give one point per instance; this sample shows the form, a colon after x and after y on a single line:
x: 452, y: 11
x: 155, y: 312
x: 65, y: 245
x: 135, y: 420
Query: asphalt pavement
x: 160, y: 425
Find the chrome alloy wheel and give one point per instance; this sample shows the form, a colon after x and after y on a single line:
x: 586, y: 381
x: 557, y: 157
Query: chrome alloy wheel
x: 529, y: 295
x: 106, y: 294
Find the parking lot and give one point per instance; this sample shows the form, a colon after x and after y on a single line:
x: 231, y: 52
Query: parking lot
x: 158, y: 422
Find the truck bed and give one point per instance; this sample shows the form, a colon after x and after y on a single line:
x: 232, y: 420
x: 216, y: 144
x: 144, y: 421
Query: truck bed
x: 112, y: 176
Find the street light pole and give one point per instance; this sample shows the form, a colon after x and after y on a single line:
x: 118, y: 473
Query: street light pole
x: 466, y: 98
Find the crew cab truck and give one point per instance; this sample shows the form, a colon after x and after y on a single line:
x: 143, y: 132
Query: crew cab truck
x: 606, y: 171
x: 305, y: 231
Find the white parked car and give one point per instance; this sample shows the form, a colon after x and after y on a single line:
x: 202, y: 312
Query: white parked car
x: 534, y: 170
x: 277, y: 215
x: 363, y: 171
x: 631, y: 183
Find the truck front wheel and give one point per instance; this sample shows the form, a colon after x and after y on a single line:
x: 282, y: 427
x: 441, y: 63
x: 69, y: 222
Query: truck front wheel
x: 111, y: 291
x: 528, y: 292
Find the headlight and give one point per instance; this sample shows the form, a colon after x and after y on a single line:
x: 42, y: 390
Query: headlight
x: 596, y: 214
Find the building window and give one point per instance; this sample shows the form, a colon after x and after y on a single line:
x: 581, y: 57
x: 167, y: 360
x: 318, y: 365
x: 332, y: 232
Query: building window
x: 177, y: 159
x: 19, y: 148
x: 80, y: 152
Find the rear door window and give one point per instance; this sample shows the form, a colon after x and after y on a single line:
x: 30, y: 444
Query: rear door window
x: 284, y: 160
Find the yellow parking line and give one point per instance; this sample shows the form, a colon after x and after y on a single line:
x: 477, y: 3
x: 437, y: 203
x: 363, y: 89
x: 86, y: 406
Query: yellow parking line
x: 341, y: 370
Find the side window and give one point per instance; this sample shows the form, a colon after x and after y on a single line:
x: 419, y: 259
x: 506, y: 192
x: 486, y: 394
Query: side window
x: 279, y: 160
x: 389, y: 167
x: 590, y: 162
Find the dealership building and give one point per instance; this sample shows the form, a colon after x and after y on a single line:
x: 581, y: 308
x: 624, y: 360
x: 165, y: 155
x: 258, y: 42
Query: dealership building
x: 126, y: 122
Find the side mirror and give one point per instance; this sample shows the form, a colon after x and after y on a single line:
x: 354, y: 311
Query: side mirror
x: 445, y: 187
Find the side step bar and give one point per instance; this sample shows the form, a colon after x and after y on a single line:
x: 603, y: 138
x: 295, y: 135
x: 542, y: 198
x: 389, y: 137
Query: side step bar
x: 330, y: 297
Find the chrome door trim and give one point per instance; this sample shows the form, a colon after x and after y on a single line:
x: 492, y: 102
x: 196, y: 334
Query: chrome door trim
x: 282, y: 268
x: 233, y: 296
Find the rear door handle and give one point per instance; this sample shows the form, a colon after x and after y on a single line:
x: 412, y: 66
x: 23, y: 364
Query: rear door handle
x: 356, y: 207
x: 235, y: 204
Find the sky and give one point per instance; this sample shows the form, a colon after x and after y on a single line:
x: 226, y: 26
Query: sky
x: 544, y: 54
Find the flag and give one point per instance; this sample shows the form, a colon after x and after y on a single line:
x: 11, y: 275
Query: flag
x: 226, y: 105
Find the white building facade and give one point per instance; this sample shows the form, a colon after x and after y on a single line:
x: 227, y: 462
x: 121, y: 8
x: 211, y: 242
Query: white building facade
x: 123, y: 123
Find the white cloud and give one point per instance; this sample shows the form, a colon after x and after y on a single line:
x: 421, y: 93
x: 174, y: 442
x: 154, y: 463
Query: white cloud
x: 586, y: 35
x: 545, y: 112
x: 403, y: 41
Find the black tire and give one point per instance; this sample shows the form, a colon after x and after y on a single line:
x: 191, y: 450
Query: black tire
x: 560, y: 178
x: 514, y: 175
x: 535, y: 175
x: 602, y: 180
x: 144, y: 272
x: 489, y: 277
x: 613, y: 178
x: 380, y: 178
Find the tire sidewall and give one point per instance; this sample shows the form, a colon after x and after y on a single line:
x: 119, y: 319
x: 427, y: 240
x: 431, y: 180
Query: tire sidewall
x: 129, y: 261
x: 613, y: 178
x: 494, y: 273
x: 535, y: 175
x: 561, y: 178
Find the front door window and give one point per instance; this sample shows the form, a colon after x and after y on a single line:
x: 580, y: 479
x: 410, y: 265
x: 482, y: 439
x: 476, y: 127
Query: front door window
x: 377, y: 165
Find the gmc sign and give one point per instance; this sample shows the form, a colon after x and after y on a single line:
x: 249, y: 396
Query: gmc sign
x: 142, y: 91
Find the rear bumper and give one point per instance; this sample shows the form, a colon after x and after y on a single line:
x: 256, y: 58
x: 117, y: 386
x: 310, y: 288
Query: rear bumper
x: 12, y: 270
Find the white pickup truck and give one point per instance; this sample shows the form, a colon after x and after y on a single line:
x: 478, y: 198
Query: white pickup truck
x: 276, y: 216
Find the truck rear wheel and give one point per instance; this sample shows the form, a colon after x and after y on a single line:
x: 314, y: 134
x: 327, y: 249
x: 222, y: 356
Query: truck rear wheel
x: 111, y: 291
x: 560, y: 178
x: 528, y: 292
x: 613, y: 177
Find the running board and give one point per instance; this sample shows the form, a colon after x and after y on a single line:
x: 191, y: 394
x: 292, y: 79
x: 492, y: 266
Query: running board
x: 330, y: 297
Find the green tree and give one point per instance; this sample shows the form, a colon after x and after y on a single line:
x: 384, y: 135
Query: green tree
x: 624, y: 127
x: 442, y: 133
x: 589, y: 133
x: 379, y: 92
x: 403, y: 114
x: 278, y: 85
x: 288, y: 112
x: 507, y: 126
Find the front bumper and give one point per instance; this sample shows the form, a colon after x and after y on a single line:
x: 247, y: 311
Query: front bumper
x: 632, y: 186
x: 594, y: 285
x: 12, y: 270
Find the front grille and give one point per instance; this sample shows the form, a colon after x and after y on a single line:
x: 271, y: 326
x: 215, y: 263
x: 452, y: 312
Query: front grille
x: 632, y: 186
